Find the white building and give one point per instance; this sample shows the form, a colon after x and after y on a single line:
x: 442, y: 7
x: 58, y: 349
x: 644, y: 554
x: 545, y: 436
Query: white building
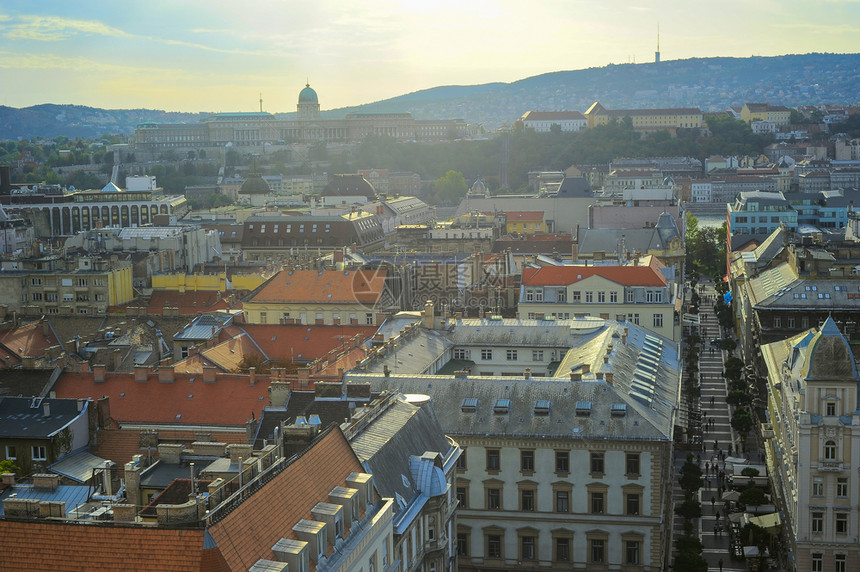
x: 542, y: 121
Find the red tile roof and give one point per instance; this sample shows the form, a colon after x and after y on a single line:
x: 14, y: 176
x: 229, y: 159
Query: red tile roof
x: 27, y: 340
x: 250, y: 530
x: 228, y: 355
x: 189, y: 303
x: 48, y: 545
x: 514, y: 216
x: 295, y: 342
x: 564, y: 275
x: 230, y: 401
x: 121, y: 445
x: 327, y: 287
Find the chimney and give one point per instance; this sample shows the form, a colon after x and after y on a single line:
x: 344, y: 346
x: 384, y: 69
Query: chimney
x: 575, y: 376
x: 52, y: 509
x: 166, y: 374
x: 141, y: 373
x: 429, y: 315
x: 46, y: 409
x: 99, y: 372
x: 586, y: 368
x: 528, y: 373
x: 209, y: 374
x: 46, y: 481
x: 124, y: 512
x: 170, y: 453
x: 279, y: 393
x: 609, y: 376
x: 132, y: 482
x: 8, y: 479
x: 238, y: 451
x: 103, y: 411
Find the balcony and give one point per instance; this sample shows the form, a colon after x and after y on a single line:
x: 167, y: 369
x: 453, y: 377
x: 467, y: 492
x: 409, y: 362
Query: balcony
x: 830, y: 466
x: 767, y: 431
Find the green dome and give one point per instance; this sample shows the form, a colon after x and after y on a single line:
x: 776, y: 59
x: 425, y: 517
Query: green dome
x: 308, y: 95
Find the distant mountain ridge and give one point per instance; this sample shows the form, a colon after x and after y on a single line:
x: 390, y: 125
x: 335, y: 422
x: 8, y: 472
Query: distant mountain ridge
x: 711, y: 84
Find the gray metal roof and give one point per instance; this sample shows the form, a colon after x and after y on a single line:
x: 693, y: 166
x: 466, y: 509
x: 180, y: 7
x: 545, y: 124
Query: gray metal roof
x: 78, y: 466
x: 72, y: 495
x: 387, y: 442
x: 781, y: 287
x: 524, y: 332
x: 24, y: 417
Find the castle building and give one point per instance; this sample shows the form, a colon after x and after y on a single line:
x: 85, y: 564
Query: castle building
x: 308, y: 126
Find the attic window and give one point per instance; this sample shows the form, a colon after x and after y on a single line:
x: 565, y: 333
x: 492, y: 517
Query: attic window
x: 542, y: 407
x: 502, y: 406
x: 618, y: 409
x: 583, y: 408
x: 470, y: 405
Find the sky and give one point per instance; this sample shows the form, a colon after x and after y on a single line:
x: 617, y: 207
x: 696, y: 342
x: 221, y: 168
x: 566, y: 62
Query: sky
x: 216, y: 55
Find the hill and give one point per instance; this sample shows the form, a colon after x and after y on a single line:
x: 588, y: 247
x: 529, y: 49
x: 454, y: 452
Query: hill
x: 709, y: 83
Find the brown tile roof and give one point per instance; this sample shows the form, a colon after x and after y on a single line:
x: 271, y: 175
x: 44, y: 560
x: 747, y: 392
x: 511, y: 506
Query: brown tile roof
x: 248, y: 532
x: 27, y: 340
x: 121, y: 445
x: 325, y: 287
x: 229, y: 402
x: 46, y: 545
x: 227, y: 355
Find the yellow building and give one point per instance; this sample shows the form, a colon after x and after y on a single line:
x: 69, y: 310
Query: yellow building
x: 647, y: 119
x: 525, y: 222
x: 321, y: 297
x: 776, y: 114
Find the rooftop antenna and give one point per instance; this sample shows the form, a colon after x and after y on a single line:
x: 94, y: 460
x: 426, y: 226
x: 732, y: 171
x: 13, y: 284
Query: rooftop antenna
x: 261, y: 102
x: 657, y: 53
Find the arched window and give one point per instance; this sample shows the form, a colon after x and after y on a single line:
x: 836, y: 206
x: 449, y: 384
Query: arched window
x: 830, y: 450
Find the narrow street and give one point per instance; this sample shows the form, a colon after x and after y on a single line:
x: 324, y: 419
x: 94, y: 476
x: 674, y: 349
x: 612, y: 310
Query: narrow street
x: 718, y: 438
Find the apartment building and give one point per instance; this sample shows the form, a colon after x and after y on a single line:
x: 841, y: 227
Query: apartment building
x: 635, y: 293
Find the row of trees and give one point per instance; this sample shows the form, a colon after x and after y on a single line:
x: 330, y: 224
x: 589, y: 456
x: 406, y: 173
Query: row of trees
x: 689, y: 546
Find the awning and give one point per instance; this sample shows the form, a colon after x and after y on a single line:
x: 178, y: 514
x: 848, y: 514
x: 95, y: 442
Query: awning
x: 78, y: 467
x: 771, y: 520
x: 732, y: 496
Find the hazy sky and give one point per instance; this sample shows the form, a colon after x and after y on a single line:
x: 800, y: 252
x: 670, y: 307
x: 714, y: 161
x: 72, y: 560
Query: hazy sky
x: 217, y: 55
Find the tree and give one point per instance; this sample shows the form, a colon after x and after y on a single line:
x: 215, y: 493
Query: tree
x: 738, y: 398
x: 752, y: 496
x: 729, y: 345
x: 9, y: 466
x: 450, y: 188
x: 734, y: 368
x: 742, y: 423
x: 691, y: 477
x: 750, y: 472
x: 689, y: 509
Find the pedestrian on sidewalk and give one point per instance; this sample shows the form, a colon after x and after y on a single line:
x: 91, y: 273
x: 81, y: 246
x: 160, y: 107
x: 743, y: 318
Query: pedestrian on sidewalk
x: 718, y: 516
x: 721, y: 565
x: 715, y: 445
x: 730, y: 449
x: 713, y: 502
x: 712, y: 401
x: 707, y: 467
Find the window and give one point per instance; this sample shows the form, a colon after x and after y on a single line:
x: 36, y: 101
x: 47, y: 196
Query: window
x: 562, y: 461
x: 462, y: 354
x: 613, y: 297
x: 817, y: 522
x: 589, y: 297
x: 37, y: 296
x: 649, y: 295
x: 658, y: 296
x: 817, y: 562
x: 596, y: 502
x: 831, y: 408
x: 39, y: 453
x: 576, y: 296
x: 494, y: 546
x: 493, y: 461
x: 527, y: 461
x: 842, y: 487
x: 486, y: 354
x: 632, y: 464
x: 840, y: 562
x: 52, y: 296
x: 11, y: 453
x: 263, y: 317
x: 511, y: 355
x: 528, y: 547
x: 562, y: 550
x: 537, y: 355
x: 527, y: 500
x: 658, y: 320
x: 790, y: 322
x: 461, y: 461
x: 494, y: 498
x: 633, y: 318
x: 561, y: 295
x: 462, y: 544
x: 601, y: 297
x: 368, y: 319
x: 830, y: 450
x: 777, y: 322
x: 82, y: 282
x: 841, y: 523
x: 36, y: 282
x: 632, y: 502
x: 463, y: 497
x: 562, y: 501
x: 597, y: 463
x: 597, y: 550
x: 631, y: 550
x: 818, y: 487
